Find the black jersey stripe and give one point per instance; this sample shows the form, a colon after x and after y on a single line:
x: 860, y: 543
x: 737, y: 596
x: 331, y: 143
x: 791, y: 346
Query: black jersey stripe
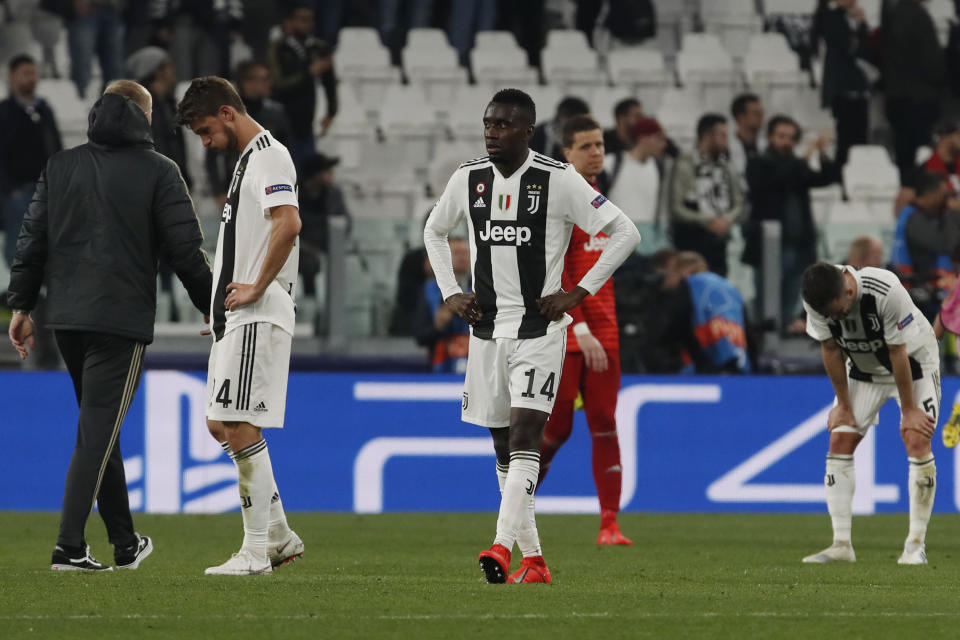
x: 251, y: 358
x: 483, y: 285
x: 244, y: 352
x: 475, y: 161
x: 880, y: 284
x: 531, y: 257
x: 549, y: 164
x: 873, y: 288
x: 539, y: 157
x: 266, y: 141
x: 229, y: 249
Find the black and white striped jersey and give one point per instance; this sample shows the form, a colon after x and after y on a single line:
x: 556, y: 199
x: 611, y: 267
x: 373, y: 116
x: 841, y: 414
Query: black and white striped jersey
x: 263, y: 178
x: 519, y: 229
x: 882, y: 315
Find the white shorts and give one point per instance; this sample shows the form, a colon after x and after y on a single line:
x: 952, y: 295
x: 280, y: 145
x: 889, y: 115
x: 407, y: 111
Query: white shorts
x: 247, y: 375
x: 868, y: 397
x: 506, y: 372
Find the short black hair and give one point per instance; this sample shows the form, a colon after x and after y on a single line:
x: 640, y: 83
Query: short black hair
x: 623, y: 107
x: 292, y: 6
x: 205, y: 96
x: 926, y: 181
x: 707, y: 123
x: 19, y: 60
x: 822, y: 284
x: 781, y: 119
x: 519, y: 99
x: 739, y: 105
x: 245, y: 69
x: 572, y: 106
x: 576, y: 124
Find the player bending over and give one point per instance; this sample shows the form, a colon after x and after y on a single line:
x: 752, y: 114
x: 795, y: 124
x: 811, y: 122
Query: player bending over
x: 520, y: 207
x: 252, y: 314
x: 866, y: 317
x: 592, y: 365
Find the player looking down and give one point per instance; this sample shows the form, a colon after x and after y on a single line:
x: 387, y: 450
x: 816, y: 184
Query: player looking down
x: 252, y: 313
x: 520, y: 208
x: 592, y: 364
x: 867, y: 318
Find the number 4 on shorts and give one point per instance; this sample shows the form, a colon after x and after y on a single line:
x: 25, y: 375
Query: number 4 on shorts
x: 223, y: 396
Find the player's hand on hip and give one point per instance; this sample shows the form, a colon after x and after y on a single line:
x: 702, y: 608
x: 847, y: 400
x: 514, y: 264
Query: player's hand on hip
x: 21, y: 334
x: 593, y: 352
x: 556, y: 304
x: 841, y: 416
x: 465, y: 305
x: 916, y: 419
x: 239, y: 295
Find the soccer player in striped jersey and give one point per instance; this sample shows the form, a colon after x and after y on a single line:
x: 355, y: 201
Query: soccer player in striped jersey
x: 591, y: 368
x: 520, y: 207
x: 252, y: 313
x: 867, y: 318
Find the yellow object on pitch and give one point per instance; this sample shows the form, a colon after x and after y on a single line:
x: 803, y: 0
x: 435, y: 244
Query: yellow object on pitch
x: 578, y: 403
x: 951, y: 431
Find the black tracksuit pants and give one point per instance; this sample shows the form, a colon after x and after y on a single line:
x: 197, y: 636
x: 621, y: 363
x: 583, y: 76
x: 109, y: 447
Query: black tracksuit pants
x: 106, y: 372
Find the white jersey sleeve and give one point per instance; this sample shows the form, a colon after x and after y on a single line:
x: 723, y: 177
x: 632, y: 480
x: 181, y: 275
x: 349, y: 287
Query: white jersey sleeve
x: 816, y: 324
x: 899, y: 321
x: 586, y: 207
x: 445, y: 217
x: 276, y: 179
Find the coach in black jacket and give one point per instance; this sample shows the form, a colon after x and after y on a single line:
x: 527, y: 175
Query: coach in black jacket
x: 101, y: 216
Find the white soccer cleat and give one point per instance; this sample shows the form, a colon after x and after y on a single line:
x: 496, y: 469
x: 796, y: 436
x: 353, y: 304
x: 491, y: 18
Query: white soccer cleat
x: 286, y: 551
x: 837, y: 552
x: 242, y: 563
x: 913, y: 554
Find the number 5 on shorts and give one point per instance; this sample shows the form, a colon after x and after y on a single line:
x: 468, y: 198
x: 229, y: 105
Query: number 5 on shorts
x: 545, y: 390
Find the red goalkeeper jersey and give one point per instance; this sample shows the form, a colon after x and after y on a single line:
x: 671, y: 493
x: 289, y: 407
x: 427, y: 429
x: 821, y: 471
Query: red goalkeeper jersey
x: 599, y: 311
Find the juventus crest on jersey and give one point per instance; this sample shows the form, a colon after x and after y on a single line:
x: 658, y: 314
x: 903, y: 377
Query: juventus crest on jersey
x: 519, y: 231
x: 883, y: 314
x: 263, y: 178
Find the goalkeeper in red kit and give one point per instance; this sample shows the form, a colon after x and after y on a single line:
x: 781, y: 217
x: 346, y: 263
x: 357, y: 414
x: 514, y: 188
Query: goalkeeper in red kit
x: 592, y: 364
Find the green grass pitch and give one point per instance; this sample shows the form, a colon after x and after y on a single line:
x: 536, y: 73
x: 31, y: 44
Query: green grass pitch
x: 416, y: 576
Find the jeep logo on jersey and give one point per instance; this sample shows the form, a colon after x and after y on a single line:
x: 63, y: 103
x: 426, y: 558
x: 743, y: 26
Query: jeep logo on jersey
x: 863, y: 346
x: 505, y: 233
x: 596, y: 243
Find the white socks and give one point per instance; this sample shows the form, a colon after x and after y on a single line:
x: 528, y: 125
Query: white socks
x: 840, y: 482
x: 922, y: 487
x: 528, y: 538
x: 278, y: 527
x: 516, y: 502
x: 256, y: 493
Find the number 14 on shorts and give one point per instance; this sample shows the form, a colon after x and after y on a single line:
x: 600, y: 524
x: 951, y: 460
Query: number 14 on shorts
x: 546, y: 390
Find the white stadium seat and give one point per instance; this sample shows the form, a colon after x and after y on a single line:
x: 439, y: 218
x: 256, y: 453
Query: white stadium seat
x: 427, y: 39
x: 871, y: 177
x: 773, y: 71
x: 845, y: 222
x: 357, y: 39
x: 603, y: 102
x: 708, y: 70
x: 495, y: 40
x: 569, y: 63
x: 466, y: 114
x: 566, y: 39
x: 733, y: 21
x: 438, y: 72
x: 363, y: 63
x: 678, y: 115
x: 640, y: 71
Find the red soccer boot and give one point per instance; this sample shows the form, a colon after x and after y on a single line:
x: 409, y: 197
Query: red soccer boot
x: 495, y: 564
x: 533, y: 569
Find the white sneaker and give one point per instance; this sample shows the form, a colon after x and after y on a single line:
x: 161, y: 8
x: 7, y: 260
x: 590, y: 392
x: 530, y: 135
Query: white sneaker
x: 837, y: 552
x: 913, y: 554
x: 242, y: 563
x: 285, y: 551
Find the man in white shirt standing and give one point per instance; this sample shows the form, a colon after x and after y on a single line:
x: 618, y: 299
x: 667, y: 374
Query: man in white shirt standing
x: 634, y: 174
x: 252, y: 313
x: 875, y: 345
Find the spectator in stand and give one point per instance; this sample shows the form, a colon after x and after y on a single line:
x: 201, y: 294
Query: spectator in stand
x: 444, y: 333
x: 153, y: 68
x: 198, y: 33
x: 915, y: 79
x: 746, y: 141
x: 944, y: 159
x: 926, y: 241
x: 625, y: 114
x: 716, y: 319
x: 396, y: 18
x: 704, y: 197
x: 410, y: 279
x: 467, y: 17
x: 842, y: 25
x: 527, y: 21
x: 547, y: 135
x: 93, y: 27
x: 780, y: 183
x: 28, y: 136
x: 297, y: 59
x: 865, y: 251
x: 254, y: 87
x: 320, y: 200
x: 635, y: 176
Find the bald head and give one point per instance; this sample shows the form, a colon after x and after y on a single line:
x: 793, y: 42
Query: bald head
x: 866, y: 251
x: 135, y: 91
